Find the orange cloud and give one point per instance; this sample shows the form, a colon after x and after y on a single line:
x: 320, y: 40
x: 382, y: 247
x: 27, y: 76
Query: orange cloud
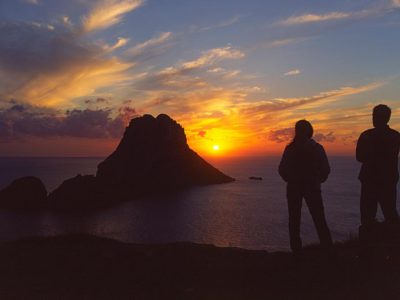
x: 29, y: 74
x: 239, y: 125
x: 106, y: 13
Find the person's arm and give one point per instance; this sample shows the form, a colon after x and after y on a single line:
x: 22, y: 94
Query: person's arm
x: 284, y: 168
x: 398, y: 143
x: 324, y: 169
x: 362, y: 149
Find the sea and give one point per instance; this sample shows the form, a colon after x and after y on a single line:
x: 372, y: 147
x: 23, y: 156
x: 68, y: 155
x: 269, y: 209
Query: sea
x: 246, y: 213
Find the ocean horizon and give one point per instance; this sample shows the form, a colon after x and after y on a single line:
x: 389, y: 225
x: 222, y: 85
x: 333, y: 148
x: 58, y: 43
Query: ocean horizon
x: 246, y: 213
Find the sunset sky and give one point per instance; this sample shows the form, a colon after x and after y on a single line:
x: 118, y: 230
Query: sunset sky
x: 236, y: 74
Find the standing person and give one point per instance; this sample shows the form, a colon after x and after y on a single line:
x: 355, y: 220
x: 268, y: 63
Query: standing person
x: 304, y: 166
x: 378, y: 151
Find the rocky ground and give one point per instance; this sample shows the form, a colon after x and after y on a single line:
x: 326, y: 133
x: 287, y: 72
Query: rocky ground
x: 86, y: 267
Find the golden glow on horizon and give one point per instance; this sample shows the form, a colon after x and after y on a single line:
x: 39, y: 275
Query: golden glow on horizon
x: 216, y: 147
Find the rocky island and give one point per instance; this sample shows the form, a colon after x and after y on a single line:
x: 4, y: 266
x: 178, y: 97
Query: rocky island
x: 153, y: 157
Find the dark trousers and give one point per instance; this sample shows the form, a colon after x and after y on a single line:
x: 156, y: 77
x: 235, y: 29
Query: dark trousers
x: 373, y: 193
x: 313, y: 198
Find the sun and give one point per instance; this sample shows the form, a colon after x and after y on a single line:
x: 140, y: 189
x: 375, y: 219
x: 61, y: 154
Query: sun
x: 216, y: 147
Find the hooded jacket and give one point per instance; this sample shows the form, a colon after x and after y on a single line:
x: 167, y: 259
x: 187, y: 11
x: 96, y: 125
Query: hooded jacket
x: 304, y: 162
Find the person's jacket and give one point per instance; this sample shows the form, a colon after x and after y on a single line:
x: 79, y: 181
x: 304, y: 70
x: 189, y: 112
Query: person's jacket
x: 304, y: 163
x: 378, y: 151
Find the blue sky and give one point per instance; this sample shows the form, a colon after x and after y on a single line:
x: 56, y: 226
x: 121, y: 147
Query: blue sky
x: 238, y: 72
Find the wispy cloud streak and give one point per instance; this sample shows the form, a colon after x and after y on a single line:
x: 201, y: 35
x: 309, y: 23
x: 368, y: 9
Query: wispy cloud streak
x: 184, y: 75
x: 381, y: 8
x: 313, y: 18
x: 106, y: 13
x: 292, y: 72
x: 281, y: 104
x: 149, y: 45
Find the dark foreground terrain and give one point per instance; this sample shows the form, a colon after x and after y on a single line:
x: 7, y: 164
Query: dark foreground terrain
x: 85, y: 267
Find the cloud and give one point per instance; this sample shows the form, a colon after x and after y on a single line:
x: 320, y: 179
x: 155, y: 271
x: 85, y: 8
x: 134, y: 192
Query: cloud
x: 300, y: 28
x: 22, y: 121
x: 224, y: 73
x: 149, y: 48
x: 106, y: 13
x: 285, y: 41
x: 211, y: 56
x: 396, y: 3
x: 232, y: 115
x: 65, y: 20
x: 34, y: 2
x: 121, y: 42
x: 280, y: 104
x: 97, y: 101
x: 202, y: 133
x: 292, y: 72
x: 162, y: 38
x: 281, y: 135
x: 50, y: 66
x: 183, y: 75
x: 313, y: 18
x: 126, y: 113
x: 216, y: 70
x: 285, y: 135
x: 222, y: 24
x: 379, y: 9
x: 329, y: 137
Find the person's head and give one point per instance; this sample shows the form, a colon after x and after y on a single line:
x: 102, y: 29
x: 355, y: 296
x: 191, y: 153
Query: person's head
x: 303, y: 130
x: 381, y: 115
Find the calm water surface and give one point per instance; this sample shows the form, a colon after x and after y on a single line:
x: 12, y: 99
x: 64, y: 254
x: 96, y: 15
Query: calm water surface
x: 245, y: 213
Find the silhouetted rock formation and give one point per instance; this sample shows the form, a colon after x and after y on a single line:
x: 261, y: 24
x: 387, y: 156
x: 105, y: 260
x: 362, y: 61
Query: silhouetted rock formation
x: 79, y: 192
x: 152, y: 157
x: 24, y: 193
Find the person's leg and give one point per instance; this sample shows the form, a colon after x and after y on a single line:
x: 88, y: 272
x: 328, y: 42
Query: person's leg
x: 368, y: 203
x: 387, y: 200
x: 294, y: 198
x: 314, y: 202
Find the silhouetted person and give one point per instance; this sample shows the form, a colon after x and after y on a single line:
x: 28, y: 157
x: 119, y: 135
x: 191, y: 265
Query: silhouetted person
x: 378, y: 150
x: 304, y: 166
